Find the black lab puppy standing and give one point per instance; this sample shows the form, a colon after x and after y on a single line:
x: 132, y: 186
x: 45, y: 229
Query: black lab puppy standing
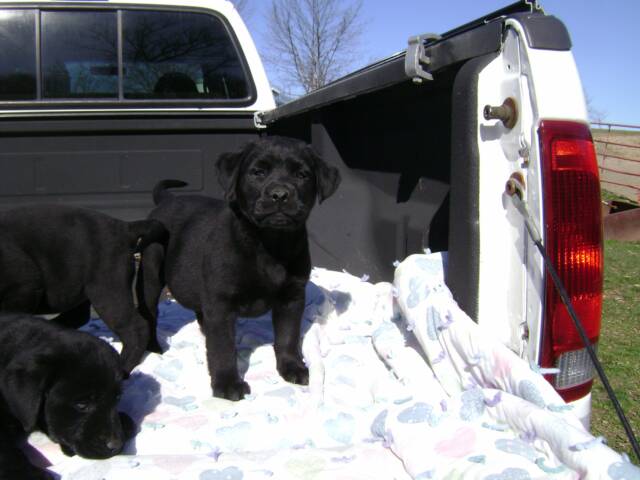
x: 242, y: 257
x: 62, y: 382
x: 62, y: 259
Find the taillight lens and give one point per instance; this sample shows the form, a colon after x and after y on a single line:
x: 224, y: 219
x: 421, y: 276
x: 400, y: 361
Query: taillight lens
x: 573, y: 240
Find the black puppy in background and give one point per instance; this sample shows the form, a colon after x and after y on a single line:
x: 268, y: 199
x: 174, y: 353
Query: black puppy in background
x: 242, y: 257
x: 62, y: 382
x: 55, y: 259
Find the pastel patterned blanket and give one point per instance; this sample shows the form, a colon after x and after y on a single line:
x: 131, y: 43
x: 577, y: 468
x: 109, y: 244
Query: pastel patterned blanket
x: 402, y: 385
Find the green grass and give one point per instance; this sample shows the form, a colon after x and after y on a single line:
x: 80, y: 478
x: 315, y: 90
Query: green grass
x: 600, y: 132
x: 608, y: 196
x: 619, y: 346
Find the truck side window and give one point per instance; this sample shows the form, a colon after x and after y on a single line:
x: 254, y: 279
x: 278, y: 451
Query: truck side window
x: 179, y: 55
x: 79, y: 54
x: 17, y: 55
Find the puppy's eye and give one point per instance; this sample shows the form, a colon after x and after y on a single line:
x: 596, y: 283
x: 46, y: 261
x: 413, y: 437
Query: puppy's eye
x: 83, y: 406
x: 302, y: 174
x: 258, y: 172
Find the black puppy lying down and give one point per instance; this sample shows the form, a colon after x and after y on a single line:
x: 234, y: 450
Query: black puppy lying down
x: 62, y: 382
x: 62, y: 259
x: 242, y: 257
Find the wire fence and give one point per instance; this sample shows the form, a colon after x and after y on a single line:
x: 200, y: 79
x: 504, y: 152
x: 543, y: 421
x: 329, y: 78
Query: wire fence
x: 618, y: 150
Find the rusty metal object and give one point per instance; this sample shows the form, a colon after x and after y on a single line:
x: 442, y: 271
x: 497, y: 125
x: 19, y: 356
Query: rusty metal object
x: 623, y: 225
x: 515, y: 185
x: 507, y: 113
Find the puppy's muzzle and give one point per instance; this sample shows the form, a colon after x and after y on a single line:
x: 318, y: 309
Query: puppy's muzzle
x: 280, y: 207
x: 278, y: 198
x: 278, y: 194
x: 115, y: 442
x: 114, y: 445
x: 108, y: 444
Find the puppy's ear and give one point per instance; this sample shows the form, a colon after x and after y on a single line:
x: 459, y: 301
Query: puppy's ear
x: 327, y: 177
x: 22, y: 385
x: 228, y: 168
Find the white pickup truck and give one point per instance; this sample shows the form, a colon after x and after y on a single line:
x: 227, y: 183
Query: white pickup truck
x: 101, y: 99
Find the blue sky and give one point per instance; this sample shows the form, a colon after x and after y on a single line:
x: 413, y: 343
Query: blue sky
x: 605, y: 36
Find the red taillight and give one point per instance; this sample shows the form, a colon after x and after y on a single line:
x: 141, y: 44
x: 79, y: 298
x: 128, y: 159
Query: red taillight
x: 573, y: 240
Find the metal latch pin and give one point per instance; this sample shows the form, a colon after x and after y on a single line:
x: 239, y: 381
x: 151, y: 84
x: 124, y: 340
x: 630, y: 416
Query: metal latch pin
x: 507, y: 113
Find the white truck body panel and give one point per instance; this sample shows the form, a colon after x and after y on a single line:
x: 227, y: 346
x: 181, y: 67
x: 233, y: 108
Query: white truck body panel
x: 545, y: 85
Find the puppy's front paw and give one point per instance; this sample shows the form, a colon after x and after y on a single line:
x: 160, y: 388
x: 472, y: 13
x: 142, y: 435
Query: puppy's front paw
x: 68, y: 451
x: 293, y: 370
x: 231, y: 389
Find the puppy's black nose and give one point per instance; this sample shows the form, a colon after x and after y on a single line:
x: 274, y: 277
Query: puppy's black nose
x: 114, y: 445
x: 279, y: 194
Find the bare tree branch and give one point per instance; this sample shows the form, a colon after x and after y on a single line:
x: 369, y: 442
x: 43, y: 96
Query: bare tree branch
x: 595, y: 114
x: 313, y: 41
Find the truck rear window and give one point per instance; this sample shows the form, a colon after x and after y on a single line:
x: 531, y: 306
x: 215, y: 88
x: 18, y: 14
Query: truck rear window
x: 70, y: 55
x: 79, y: 54
x: 17, y: 55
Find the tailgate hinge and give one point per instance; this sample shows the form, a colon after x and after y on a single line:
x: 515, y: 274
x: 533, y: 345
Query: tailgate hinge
x: 416, y: 58
x: 534, y: 5
x: 258, y: 120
